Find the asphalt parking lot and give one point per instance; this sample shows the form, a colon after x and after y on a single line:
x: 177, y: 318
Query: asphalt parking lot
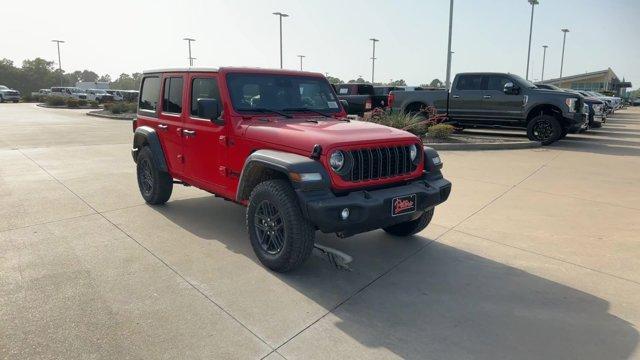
x: 535, y: 256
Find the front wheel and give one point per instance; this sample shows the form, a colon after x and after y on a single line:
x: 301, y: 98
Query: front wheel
x: 281, y: 237
x: 412, y: 227
x: 544, y: 128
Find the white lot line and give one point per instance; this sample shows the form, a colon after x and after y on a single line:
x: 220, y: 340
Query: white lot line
x: 149, y: 251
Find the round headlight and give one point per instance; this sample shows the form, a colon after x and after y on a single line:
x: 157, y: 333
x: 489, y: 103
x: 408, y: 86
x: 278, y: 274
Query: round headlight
x: 413, y: 151
x: 336, y: 160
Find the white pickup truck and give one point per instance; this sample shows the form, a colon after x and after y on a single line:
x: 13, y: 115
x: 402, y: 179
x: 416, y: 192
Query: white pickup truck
x: 7, y: 94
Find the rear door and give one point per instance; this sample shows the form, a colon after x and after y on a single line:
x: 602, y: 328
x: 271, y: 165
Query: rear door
x: 205, y: 142
x: 465, y: 101
x: 497, y: 105
x: 169, y: 123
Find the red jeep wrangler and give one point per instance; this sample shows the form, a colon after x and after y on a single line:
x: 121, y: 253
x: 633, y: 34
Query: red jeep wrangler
x: 278, y: 142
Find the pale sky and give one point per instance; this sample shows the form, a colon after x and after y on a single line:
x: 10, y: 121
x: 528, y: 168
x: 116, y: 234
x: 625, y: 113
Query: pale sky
x: 119, y: 36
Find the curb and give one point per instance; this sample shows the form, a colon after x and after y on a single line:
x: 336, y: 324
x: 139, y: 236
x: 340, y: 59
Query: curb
x: 494, y: 146
x: 112, y: 117
x: 65, y: 107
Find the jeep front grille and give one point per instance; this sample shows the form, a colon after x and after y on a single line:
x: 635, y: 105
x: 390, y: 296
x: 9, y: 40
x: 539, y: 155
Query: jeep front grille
x: 377, y: 163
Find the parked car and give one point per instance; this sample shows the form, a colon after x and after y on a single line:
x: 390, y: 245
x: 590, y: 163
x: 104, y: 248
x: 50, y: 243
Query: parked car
x: 99, y: 95
x: 597, y: 115
x: 278, y: 142
x: 70, y: 92
x: 41, y: 93
x: 129, y: 95
x: 499, y: 100
x: 635, y: 102
x: 117, y: 94
x: 359, y: 97
x: 7, y: 94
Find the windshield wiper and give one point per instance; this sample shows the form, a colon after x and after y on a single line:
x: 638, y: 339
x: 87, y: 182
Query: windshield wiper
x: 265, y: 110
x: 307, y: 110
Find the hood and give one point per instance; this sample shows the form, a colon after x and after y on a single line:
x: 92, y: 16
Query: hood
x: 303, y: 134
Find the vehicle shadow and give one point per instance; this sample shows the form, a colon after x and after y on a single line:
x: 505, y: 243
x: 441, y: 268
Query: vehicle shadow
x: 442, y: 302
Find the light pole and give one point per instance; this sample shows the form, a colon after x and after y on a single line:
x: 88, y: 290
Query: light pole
x: 373, y: 59
x: 544, y: 56
x: 280, y: 16
x: 189, y: 40
x: 448, y: 78
x: 564, y: 40
x: 533, y: 4
x: 58, y: 42
x: 301, y: 57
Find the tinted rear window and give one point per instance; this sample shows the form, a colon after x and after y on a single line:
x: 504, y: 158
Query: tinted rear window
x: 469, y: 82
x: 150, y: 93
x: 172, y: 98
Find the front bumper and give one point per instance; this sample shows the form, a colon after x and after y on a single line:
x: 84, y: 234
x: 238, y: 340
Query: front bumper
x: 577, y: 122
x: 10, y: 97
x: 370, y: 210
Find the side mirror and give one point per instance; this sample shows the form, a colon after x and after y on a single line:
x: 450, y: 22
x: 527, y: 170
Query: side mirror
x: 345, y: 104
x: 210, y: 109
x: 511, y: 89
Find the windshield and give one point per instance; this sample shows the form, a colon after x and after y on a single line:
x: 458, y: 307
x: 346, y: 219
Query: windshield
x: 98, y: 91
x: 76, y: 91
x: 260, y: 92
x: 524, y: 83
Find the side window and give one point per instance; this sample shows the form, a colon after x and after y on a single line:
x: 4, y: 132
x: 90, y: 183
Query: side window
x: 469, y: 82
x: 172, y: 96
x: 150, y: 93
x: 496, y: 82
x: 203, y: 88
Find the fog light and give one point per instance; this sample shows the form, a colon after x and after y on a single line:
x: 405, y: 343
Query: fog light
x: 344, y: 214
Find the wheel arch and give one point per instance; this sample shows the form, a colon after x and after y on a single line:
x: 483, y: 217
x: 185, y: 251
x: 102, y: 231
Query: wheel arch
x: 545, y: 109
x: 414, y: 106
x: 147, y: 136
x: 264, y: 165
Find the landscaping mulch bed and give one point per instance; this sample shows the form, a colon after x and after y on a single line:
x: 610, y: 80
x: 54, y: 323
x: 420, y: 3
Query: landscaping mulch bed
x: 110, y: 115
x: 471, y: 139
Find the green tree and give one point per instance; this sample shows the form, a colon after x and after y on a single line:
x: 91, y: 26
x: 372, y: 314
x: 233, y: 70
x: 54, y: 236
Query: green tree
x: 436, y: 83
x: 105, y: 78
x: 400, y: 82
x: 359, y: 80
x: 334, y: 80
x: 88, y: 75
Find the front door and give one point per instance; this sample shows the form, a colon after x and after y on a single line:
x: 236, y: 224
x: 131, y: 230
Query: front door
x: 205, y: 142
x: 501, y: 107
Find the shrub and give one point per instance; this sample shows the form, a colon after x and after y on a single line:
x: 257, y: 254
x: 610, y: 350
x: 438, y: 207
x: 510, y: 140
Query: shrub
x: 82, y: 102
x: 440, y: 131
x: 411, y: 123
x: 132, y: 107
x: 121, y: 107
x: 55, y: 101
x: 93, y: 103
x: 73, y: 103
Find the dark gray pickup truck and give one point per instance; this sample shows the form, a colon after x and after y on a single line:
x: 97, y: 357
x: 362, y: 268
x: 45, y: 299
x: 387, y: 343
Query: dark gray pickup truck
x: 500, y: 100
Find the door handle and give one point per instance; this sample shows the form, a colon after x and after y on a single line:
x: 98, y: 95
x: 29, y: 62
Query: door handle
x: 163, y: 126
x: 487, y: 97
x: 456, y: 96
x: 189, y: 132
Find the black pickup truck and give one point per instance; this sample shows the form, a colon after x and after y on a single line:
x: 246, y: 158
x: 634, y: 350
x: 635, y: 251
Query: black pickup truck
x: 499, y: 100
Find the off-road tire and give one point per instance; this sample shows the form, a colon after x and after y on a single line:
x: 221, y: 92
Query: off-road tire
x: 564, y: 133
x: 155, y: 185
x: 298, y: 233
x: 545, y: 129
x: 412, y: 227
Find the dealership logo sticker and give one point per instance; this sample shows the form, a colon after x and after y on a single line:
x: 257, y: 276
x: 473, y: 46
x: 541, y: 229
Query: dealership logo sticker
x: 403, y: 205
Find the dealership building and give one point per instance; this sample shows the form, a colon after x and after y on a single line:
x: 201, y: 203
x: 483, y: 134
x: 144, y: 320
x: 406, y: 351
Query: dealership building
x: 603, y: 80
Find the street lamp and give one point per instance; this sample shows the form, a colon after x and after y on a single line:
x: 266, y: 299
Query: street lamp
x: 301, y: 56
x: 533, y: 4
x: 373, y: 59
x: 448, y: 78
x: 189, y: 40
x: 564, y: 40
x: 280, y: 16
x: 544, y: 56
x: 58, y: 42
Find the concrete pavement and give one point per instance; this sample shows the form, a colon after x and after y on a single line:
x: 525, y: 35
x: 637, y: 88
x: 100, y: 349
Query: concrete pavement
x: 534, y: 256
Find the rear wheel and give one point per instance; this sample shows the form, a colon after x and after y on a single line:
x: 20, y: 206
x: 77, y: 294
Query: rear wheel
x: 412, y: 227
x: 544, y: 128
x: 155, y: 185
x: 281, y: 237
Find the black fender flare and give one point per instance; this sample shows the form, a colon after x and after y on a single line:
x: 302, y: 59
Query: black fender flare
x: 145, y: 135
x: 282, y: 162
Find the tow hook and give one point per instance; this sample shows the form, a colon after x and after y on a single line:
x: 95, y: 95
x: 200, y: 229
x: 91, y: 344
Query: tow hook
x: 336, y: 257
